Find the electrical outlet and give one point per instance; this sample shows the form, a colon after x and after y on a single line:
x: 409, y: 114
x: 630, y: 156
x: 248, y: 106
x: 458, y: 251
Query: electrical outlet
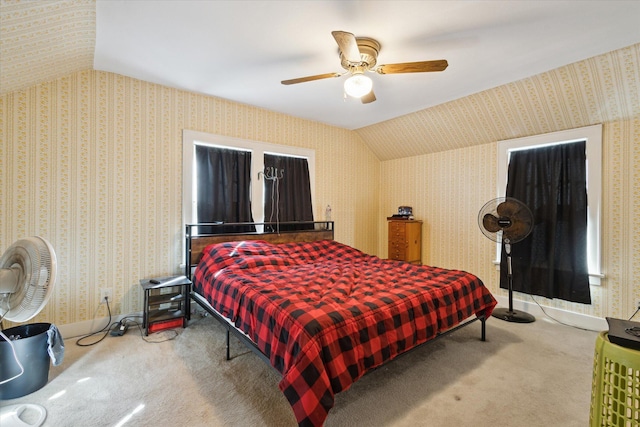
x: 638, y: 304
x: 105, y: 293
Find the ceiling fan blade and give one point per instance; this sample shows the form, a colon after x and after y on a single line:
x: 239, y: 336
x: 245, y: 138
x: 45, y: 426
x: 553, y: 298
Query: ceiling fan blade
x: 310, y: 78
x: 413, y: 67
x: 368, y: 98
x: 348, y: 46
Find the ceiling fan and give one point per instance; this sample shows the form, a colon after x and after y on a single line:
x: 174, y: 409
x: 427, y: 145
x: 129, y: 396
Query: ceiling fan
x: 359, y: 55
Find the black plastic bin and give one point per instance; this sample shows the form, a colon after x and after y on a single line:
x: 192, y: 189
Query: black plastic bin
x: 31, y: 350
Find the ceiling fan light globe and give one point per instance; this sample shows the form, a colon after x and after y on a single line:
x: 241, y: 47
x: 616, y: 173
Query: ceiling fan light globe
x: 358, y: 85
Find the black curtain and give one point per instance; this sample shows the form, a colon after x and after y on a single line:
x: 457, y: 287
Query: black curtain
x: 224, y: 187
x: 288, y: 197
x: 552, y: 260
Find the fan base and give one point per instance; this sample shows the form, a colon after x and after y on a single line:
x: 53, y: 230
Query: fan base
x: 12, y: 415
x: 513, y: 316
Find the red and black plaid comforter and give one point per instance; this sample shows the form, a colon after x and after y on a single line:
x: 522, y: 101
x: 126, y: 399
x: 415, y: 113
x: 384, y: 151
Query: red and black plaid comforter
x: 325, y: 313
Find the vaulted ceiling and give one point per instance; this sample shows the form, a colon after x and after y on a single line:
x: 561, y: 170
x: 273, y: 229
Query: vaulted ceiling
x: 515, y: 68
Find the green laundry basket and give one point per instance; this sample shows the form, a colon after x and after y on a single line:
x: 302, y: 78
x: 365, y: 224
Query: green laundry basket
x: 615, y: 391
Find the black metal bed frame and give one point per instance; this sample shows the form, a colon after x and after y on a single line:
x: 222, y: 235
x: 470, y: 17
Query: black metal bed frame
x: 202, y: 302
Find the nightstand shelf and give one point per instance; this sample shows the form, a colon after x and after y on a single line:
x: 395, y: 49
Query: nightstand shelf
x: 166, y: 303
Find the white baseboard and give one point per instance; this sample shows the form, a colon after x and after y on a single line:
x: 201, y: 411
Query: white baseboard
x: 567, y: 317
x: 78, y: 329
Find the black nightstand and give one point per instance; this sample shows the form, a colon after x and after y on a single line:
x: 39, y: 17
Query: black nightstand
x: 166, y: 303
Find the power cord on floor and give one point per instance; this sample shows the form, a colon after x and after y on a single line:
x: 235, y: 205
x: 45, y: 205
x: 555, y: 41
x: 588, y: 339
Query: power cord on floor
x: 114, y: 325
x: 104, y: 329
x: 558, y: 321
x: 169, y: 338
x: 128, y: 320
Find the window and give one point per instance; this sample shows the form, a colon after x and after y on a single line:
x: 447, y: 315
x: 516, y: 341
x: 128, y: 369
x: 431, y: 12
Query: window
x: 593, y: 137
x: 191, y: 139
x: 287, y: 192
x: 222, y: 186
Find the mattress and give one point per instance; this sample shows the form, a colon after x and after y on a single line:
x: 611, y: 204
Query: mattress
x: 325, y: 313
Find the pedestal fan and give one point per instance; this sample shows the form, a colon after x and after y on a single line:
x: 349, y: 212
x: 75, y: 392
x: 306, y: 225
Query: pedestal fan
x: 507, y: 220
x: 27, y: 276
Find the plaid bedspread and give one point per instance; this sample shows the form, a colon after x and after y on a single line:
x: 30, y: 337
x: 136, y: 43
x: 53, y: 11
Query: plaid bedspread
x: 325, y: 313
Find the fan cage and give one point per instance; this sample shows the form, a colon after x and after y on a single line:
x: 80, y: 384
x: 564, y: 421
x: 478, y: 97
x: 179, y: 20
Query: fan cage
x: 34, y: 260
x: 522, y: 219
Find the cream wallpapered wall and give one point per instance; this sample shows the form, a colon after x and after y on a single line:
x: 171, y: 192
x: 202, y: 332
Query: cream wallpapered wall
x: 601, y: 89
x: 447, y: 189
x: 449, y: 186
x: 92, y: 162
x: 43, y: 40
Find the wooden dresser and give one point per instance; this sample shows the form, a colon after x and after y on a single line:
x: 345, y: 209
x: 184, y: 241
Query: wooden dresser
x: 405, y: 240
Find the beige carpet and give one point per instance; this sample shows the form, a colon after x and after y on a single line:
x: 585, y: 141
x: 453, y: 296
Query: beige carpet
x: 535, y: 374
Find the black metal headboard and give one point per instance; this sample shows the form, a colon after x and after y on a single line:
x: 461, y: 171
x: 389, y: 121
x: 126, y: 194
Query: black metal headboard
x: 198, y: 236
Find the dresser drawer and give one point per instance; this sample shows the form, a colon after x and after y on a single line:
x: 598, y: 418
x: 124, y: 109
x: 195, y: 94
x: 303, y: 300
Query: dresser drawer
x: 396, y: 230
x: 405, y: 241
x: 397, y: 254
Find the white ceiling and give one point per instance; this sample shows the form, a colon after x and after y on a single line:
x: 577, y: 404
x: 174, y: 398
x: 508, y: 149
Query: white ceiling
x: 241, y: 50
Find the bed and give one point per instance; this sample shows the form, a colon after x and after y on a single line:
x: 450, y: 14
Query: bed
x: 320, y: 312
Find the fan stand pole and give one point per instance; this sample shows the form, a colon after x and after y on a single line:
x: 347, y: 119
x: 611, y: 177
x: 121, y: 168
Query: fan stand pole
x: 509, y: 314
